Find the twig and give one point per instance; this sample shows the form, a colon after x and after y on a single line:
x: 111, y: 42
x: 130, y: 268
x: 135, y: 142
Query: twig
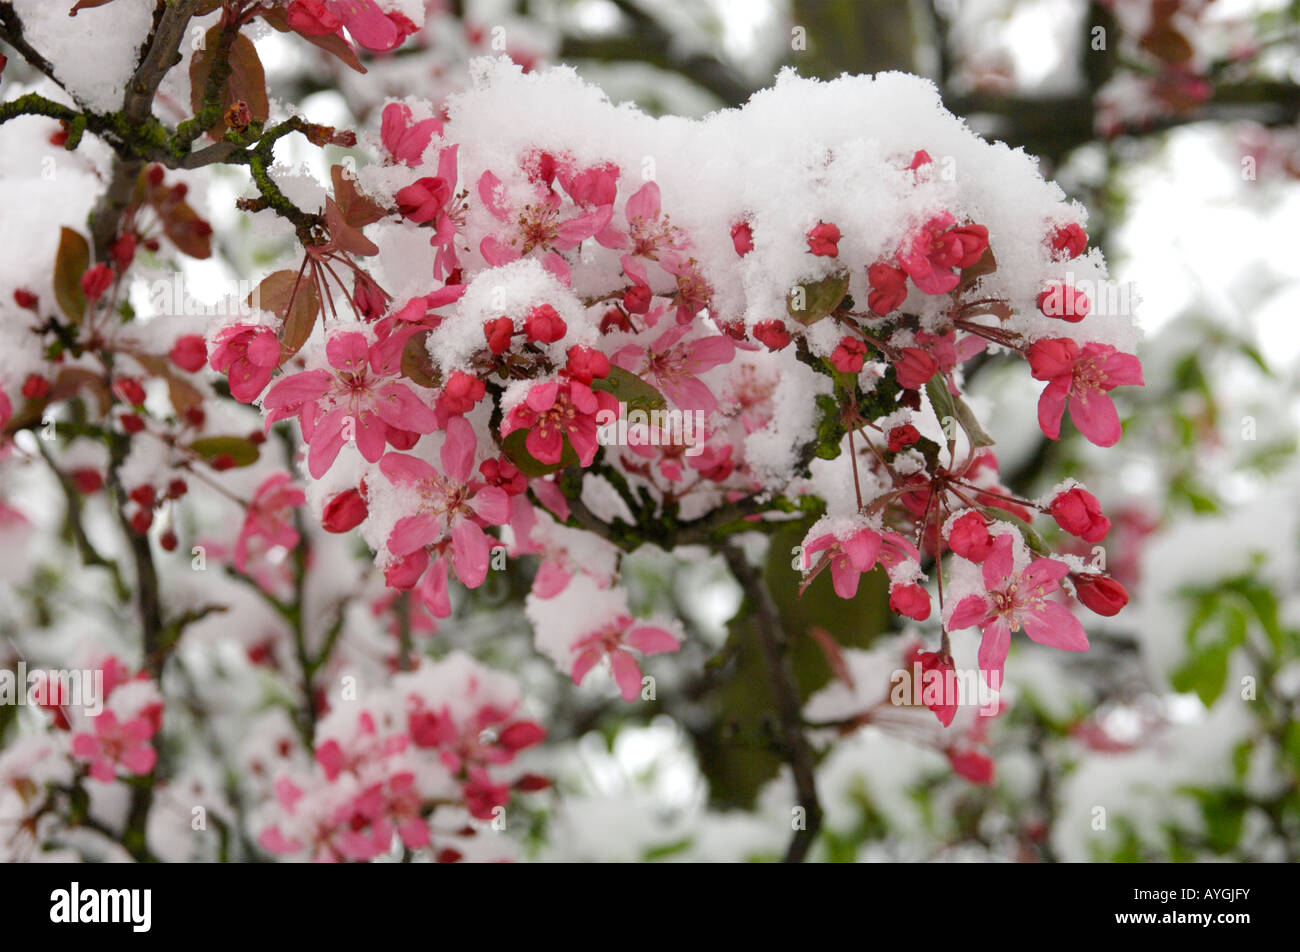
x: 795, y: 747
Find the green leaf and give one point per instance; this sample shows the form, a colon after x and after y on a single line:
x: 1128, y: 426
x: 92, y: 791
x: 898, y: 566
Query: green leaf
x: 1032, y: 538
x: 242, y: 450
x: 1205, y: 673
x: 516, y: 449
x: 630, y: 389
x: 820, y: 298
x: 70, y: 263
x: 948, y: 406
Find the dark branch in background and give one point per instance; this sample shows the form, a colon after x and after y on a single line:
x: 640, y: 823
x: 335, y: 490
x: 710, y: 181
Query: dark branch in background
x: 789, y: 706
x: 72, y: 498
x: 11, y: 31
x: 649, y: 41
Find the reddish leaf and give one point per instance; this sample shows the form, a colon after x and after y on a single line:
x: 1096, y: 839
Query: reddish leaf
x: 247, y: 79
x: 185, y: 229
x: 343, y: 235
x: 986, y: 265
x: 70, y: 263
x: 275, y: 294
x: 1168, y: 45
x: 417, y: 365
x: 358, y: 210
x: 184, y: 395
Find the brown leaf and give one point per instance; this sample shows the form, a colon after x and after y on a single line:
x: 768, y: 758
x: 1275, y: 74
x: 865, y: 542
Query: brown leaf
x: 184, y: 395
x: 343, y: 235
x: 70, y: 263
x: 358, y: 210
x: 1168, y: 45
x: 986, y: 265
x: 276, y: 293
x: 247, y: 79
x: 417, y: 365
x: 184, y: 228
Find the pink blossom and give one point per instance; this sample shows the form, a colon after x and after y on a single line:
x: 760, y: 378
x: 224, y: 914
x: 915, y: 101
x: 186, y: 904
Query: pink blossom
x: 675, y: 365
x: 361, y: 399
x: 1013, y: 600
x: 613, y: 641
x: 848, y: 558
x: 540, y: 225
x: 370, y: 26
x: 114, y: 744
x: 649, y: 232
x: 452, y: 505
x: 1083, y: 377
x: 269, y: 517
x: 558, y: 410
x: 936, y: 248
x: 248, y: 353
x: 823, y: 239
x: 404, y: 138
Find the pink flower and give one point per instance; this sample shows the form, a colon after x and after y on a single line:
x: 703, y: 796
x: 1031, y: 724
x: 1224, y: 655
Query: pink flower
x: 1014, y: 600
x: 115, y: 744
x: 404, y: 138
x: 742, y: 238
x: 849, y: 355
x: 556, y: 410
x: 1083, y: 377
x: 1064, y: 303
x: 823, y: 239
x: 848, y: 558
x: 248, y: 353
x: 971, y: 764
x: 96, y: 281
x: 613, y: 641
x: 361, y: 399
x: 368, y: 24
x: 189, y: 353
x: 938, y: 683
x: 910, y: 600
x: 888, y: 288
x: 649, y: 233
x: 675, y: 365
x: 915, y: 368
x: 1100, y: 593
x: 772, y: 334
x: 537, y: 226
x: 268, y: 517
x: 452, y: 505
x: 1068, y: 241
x: 344, y: 511
x: 544, y: 325
x: 969, y: 537
x: 938, y: 247
x: 1078, y: 512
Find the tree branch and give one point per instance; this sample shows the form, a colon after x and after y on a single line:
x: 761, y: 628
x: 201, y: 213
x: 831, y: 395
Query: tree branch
x: 789, y: 708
